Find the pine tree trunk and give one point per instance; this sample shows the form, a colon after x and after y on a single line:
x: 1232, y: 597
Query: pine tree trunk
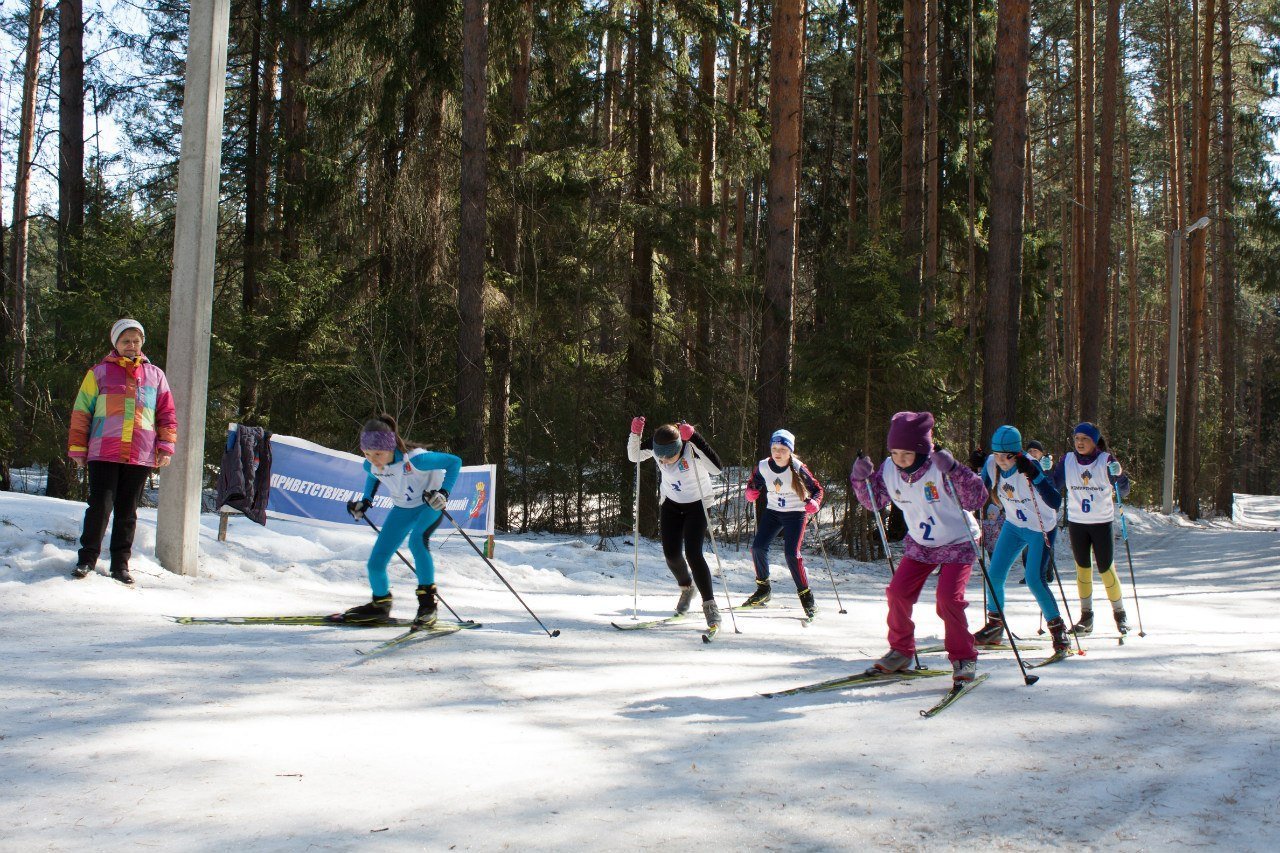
x: 71, y: 183
x: 294, y: 126
x: 855, y: 121
x: 259, y: 131
x: 20, y: 224
x: 1096, y: 299
x: 932, y: 168
x: 1189, y: 417
x: 1131, y: 249
x: 913, y: 96
x: 873, y: 117
x: 640, y: 308
x: 472, y: 235
x: 499, y: 330
x: 786, y: 79
x: 1004, y: 288
x: 1228, y: 464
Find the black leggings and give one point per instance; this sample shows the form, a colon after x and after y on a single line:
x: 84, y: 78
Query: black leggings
x: 114, y: 488
x: 1092, y: 536
x: 683, y: 527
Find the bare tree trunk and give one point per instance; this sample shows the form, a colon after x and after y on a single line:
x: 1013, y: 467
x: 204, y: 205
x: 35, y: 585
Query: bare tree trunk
x: 873, y: 117
x: 472, y: 235
x: 1004, y: 282
x: 786, y: 80
x: 1188, y: 420
x: 1096, y: 297
x: 913, y: 97
x: 21, y: 199
x: 1227, y: 450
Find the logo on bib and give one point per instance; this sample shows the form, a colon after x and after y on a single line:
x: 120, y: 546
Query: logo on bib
x: 408, y: 466
x: 1008, y: 491
x: 777, y: 485
x: 1085, y: 476
x: 683, y: 464
x: 931, y: 492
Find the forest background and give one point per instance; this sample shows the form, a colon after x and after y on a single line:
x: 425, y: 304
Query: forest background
x: 516, y: 226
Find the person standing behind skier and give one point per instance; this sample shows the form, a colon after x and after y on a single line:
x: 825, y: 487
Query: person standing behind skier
x: 123, y: 426
x: 1088, y: 474
x: 686, y: 464
x: 418, y: 481
x: 1031, y: 513
x: 919, y: 480
x: 793, y: 494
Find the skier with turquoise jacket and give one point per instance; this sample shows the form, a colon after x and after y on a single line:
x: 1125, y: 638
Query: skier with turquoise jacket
x: 1031, y: 504
x: 418, y: 482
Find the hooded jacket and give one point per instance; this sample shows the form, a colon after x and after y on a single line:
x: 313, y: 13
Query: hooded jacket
x: 123, y: 413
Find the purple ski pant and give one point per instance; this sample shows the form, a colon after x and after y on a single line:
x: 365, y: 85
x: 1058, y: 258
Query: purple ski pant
x: 904, y: 590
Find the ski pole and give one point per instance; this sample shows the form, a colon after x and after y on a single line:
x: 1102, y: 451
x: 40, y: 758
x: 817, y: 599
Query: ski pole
x: 635, y: 540
x: 884, y: 542
x: 986, y: 580
x: 476, y: 548
x: 1052, y: 559
x: 818, y: 532
x: 439, y: 598
x: 724, y: 582
x: 1124, y: 534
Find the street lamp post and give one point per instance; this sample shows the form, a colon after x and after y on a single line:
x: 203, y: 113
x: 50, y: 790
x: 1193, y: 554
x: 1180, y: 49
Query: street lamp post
x: 1176, y: 237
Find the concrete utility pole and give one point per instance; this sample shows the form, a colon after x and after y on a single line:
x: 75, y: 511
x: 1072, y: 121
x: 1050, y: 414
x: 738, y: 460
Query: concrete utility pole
x: 191, y: 293
x: 1176, y: 237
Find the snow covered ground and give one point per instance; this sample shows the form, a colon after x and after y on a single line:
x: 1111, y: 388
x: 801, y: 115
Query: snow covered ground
x: 120, y: 729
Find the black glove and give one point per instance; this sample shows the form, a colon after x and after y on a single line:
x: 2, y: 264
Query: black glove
x: 437, y: 499
x: 977, y: 459
x: 359, y: 508
x: 1027, y: 467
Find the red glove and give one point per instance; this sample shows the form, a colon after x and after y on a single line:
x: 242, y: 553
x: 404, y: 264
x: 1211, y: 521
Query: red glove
x: 752, y: 495
x: 810, y: 506
x: 686, y: 431
x: 637, y: 425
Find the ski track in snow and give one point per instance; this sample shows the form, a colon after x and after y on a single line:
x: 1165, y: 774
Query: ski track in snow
x: 120, y: 729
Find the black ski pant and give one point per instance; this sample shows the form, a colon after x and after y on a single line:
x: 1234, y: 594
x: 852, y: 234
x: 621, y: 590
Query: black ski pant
x: 683, y: 527
x: 114, y: 487
x: 1095, y: 538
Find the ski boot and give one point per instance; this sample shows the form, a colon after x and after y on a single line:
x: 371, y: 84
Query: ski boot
x: 1122, y: 621
x: 806, y: 601
x: 759, y: 598
x: 82, y: 571
x: 963, y: 672
x: 426, y: 607
x: 122, y: 574
x: 378, y: 610
x: 990, y: 634
x: 1058, y: 630
x: 1085, y: 625
x: 893, y: 661
x: 712, y: 611
x: 686, y: 598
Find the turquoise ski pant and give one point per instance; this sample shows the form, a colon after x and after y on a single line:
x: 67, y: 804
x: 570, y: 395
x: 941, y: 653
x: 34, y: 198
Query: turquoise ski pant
x: 1012, y: 541
x: 417, y: 523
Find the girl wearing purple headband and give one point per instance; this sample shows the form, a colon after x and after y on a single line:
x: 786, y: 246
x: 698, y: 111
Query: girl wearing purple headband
x: 417, y: 482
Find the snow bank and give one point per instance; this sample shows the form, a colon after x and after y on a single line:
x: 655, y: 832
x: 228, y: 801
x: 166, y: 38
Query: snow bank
x: 120, y: 729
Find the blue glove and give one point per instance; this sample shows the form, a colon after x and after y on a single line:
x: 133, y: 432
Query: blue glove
x: 1113, y: 468
x: 1046, y: 462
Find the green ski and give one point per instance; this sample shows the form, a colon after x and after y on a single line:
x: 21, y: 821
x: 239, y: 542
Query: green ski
x: 952, y: 695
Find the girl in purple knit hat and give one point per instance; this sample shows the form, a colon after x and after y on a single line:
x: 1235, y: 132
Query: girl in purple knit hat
x: 925, y: 484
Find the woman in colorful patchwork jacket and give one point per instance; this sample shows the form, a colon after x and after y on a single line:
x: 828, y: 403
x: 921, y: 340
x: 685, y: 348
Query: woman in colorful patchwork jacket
x: 123, y: 425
